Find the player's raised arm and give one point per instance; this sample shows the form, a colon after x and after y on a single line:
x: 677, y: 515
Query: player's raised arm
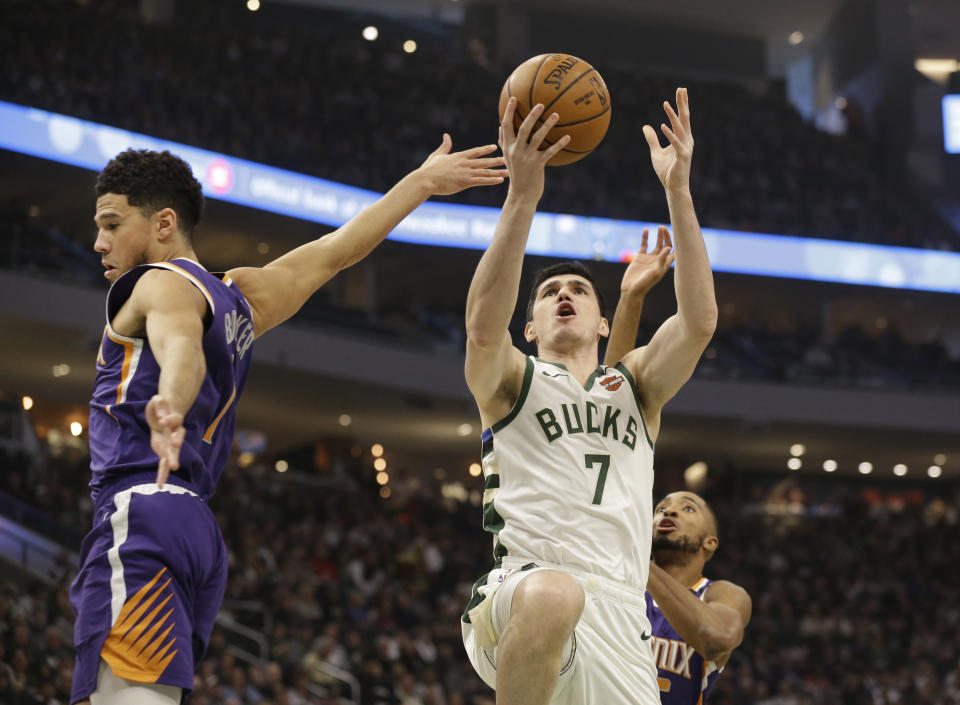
x: 713, y: 626
x: 278, y: 290
x: 492, y: 361
x: 171, y: 310
x: 642, y: 274
x: 663, y: 366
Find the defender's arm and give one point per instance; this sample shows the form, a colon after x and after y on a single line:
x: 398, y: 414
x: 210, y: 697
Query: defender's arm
x: 641, y: 276
x: 278, y: 290
x: 172, y: 310
x: 713, y: 626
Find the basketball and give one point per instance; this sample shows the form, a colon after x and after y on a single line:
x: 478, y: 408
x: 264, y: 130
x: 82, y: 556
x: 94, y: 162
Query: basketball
x: 568, y: 86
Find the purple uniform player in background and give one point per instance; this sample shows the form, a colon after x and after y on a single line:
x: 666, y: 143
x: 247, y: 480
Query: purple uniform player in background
x: 696, y: 622
x: 172, y: 363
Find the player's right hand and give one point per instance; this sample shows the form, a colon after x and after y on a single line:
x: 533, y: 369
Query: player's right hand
x: 451, y: 172
x: 521, y: 149
x: 648, y: 268
x: 166, y: 435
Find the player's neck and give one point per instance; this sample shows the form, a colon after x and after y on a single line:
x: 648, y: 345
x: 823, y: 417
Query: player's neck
x: 686, y: 570
x: 581, y: 363
x: 169, y: 254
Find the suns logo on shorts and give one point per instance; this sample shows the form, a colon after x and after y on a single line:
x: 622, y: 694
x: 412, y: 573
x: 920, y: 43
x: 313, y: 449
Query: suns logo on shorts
x: 612, y: 383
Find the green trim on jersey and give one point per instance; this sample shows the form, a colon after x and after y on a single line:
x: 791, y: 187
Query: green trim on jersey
x: 592, y: 378
x: 636, y: 396
x: 522, y: 397
x: 492, y: 521
x: 555, y: 364
x: 476, y: 597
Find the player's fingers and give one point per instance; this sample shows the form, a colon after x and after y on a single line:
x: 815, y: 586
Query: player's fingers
x: 683, y: 103
x: 670, y: 259
x: 475, y: 152
x: 541, y: 134
x: 488, y: 173
x: 674, y: 118
x: 671, y: 137
x: 666, y: 236
x: 643, y: 240
x: 526, y: 127
x: 508, y: 133
x: 485, y: 180
x: 485, y: 163
x: 162, y: 472
x: 652, y: 140
x: 445, y: 145
x: 552, y: 150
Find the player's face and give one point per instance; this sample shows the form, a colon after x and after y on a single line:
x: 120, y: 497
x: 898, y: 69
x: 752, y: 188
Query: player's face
x: 123, y: 235
x: 566, y: 313
x: 681, y: 521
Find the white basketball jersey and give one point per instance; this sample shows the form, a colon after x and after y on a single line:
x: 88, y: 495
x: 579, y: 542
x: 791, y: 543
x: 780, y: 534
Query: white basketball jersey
x: 568, y: 474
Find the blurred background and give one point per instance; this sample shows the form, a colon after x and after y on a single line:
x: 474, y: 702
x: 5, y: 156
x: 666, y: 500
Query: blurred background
x: 822, y: 423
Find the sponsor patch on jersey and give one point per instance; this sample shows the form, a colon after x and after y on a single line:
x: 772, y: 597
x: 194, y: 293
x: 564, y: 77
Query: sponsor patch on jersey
x: 612, y: 383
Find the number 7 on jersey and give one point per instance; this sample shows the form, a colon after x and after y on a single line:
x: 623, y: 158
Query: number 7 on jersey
x: 591, y: 460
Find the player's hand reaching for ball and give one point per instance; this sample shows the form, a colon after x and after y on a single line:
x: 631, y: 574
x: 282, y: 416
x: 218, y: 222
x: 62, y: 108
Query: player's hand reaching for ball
x: 450, y: 172
x: 672, y: 163
x: 648, y: 268
x: 166, y: 435
x: 521, y: 149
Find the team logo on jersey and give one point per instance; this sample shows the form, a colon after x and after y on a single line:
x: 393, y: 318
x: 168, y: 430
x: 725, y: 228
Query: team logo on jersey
x: 612, y: 383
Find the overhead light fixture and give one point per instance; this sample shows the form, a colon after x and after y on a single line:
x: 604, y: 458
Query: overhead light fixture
x: 27, y: 403
x: 939, y: 459
x: 934, y: 471
x: 464, y: 429
x: 794, y: 463
x: 795, y: 38
x: 899, y: 469
x: 475, y: 469
x: 829, y: 465
x: 865, y: 467
x: 380, y: 464
x: 370, y: 33
x: 345, y: 419
x: 76, y: 428
x: 376, y: 450
x: 797, y: 449
x: 281, y: 466
x: 409, y: 46
x: 382, y: 478
x: 253, y: 5
x: 937, y: 70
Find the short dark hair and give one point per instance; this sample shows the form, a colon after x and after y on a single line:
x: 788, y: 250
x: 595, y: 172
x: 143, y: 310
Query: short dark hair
x: 568, y: 267
x: 152, y: 181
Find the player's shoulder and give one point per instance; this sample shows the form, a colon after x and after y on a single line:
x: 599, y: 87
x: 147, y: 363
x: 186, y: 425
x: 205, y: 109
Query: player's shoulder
x: 729, y: 594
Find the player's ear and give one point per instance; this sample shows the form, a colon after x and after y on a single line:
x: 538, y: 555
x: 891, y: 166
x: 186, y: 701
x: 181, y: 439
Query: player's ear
x: 528, y: 333
x: 604, y: 330
x: 711, y: 543
x: 165, y: 220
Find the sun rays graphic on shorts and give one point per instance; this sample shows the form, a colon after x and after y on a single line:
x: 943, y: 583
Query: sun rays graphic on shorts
x: 134, y: 649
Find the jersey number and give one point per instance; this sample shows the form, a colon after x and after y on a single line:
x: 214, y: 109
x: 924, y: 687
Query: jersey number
x: 591, y: 460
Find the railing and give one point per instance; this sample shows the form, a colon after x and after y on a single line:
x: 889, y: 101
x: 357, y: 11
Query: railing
x: 39, y: 556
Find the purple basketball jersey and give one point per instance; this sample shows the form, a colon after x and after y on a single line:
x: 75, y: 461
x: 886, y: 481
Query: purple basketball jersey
x: 128, y: 374
x: 684, y: 676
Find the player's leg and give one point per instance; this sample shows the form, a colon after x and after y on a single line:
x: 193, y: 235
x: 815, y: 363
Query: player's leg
x: 544, y: 611
x: 112, y: 690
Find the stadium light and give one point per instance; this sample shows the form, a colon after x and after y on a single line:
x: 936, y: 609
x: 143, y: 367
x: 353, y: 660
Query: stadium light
x: 794, y: 463
x: 797, y: 449
x: 376, y: 450
x: 76, y: 428
x: 370, y: 33
x: 829, y: 465
x: 939, y: 459
x: 281, y: 466
x: 865, y: 467
x: 380, y: 464
x: 345, y: 419
x: 464, y: 429
x: 934, y: 471
x: 475, y: 469
x: 382, y: 478
x: 385, y: 492
x: 409, y: 46
x: 61, y: 370
x: 795, y: 38
x: 27, y: 403
x: 253, y: 5
x: 899, y: 469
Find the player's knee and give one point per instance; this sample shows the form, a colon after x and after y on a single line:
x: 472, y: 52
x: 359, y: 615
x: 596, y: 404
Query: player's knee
x: 551, y: 600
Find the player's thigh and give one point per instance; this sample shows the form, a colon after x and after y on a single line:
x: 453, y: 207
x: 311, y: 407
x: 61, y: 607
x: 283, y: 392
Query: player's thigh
x: 112, y: 690
x: 547, y: 603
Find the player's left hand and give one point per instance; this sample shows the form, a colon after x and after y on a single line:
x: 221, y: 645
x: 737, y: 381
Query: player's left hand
x: 166, y: 435
x: 648, y: 268
x: 672, y: 163
x: 451, y: 172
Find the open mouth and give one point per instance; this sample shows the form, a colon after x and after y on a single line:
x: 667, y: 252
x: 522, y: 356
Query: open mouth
x: 666, y: 526
x: 107, y: 268
x: 565, y: 309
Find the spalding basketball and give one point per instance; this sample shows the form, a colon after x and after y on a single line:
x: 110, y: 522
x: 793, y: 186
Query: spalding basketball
x: 568, y: 86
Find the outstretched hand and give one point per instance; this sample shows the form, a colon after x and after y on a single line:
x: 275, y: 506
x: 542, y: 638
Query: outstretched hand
x: 521, y: 148
x: 166, y: 435
x: 451, y: 172
x: 672, y: 163
x: 648, y: 268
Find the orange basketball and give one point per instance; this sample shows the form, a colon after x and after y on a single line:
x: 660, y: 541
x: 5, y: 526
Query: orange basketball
x: 568, y: 86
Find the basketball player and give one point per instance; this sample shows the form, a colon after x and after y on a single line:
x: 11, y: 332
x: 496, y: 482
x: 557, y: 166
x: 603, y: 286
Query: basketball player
x: 172, y: 363
x: 568, y: 447
x: 697, y: 622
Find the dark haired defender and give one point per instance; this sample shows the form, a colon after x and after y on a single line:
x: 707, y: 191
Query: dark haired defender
x: 568, y: 448
x: 172, y: 364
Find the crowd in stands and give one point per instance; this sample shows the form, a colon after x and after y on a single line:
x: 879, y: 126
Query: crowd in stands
x: 302, y: 90
x: 853, y: 587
